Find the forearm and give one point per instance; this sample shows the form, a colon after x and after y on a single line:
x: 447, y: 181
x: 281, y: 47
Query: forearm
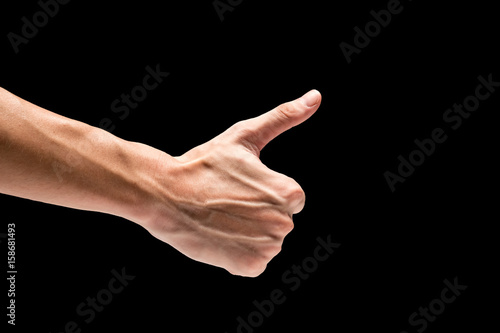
x: 53, y: 159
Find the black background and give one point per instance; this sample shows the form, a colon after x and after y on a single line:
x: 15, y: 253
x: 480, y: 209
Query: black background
x: 396, y: 248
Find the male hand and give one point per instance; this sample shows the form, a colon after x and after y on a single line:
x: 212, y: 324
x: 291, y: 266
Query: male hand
x: 217, y: 203
x: 221, y: 205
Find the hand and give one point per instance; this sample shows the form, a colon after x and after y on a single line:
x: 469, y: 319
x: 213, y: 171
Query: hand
x: 221, y: 205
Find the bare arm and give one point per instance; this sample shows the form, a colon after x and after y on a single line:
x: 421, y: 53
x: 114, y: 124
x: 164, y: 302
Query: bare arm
x: 53, y: 159
x: 217, y: 203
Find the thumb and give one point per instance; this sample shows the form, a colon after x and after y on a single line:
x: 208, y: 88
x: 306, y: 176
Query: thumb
x: 264, y: 128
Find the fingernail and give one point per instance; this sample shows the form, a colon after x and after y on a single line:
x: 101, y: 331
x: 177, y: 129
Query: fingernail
x: 311, y: 98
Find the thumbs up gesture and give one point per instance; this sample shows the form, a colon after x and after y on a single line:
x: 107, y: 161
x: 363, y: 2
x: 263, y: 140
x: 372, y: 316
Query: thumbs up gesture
x: 222, y: 205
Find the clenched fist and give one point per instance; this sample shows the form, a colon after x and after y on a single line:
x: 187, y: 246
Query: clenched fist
x: 221, y: 205
x: 217, y: 203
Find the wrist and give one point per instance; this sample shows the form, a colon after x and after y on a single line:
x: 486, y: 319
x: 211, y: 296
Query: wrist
x: 148, y: 175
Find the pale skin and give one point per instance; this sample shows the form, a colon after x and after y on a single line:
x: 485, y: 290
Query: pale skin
x: 217, y: 203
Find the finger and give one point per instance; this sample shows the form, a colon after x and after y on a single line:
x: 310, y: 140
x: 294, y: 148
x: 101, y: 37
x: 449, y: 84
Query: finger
x: 292, y: 196
x: 264, y: 128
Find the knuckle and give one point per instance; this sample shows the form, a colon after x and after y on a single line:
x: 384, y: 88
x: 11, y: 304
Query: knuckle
x: 273, y: 251
x: 238, y: 126
x: 284, y: 226
x: 287, y: 109
x: 254, y: 268
x: 242, y: 129
x: 294, y: 193
x: 238, y: 130
x: 284, y: 112
x: 293, y: 196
